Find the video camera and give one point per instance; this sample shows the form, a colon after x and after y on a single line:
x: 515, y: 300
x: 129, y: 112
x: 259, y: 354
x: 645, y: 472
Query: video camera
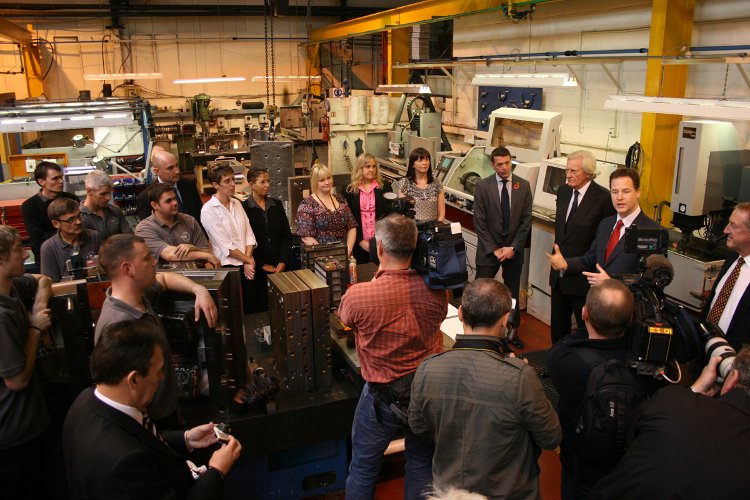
x: 664, y: 334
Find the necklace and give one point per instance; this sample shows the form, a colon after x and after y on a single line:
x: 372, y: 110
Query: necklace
x: 333, y: 202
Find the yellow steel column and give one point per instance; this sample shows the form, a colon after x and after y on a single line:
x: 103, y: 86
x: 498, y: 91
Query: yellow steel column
x: 671, y: 27
x: 398, y: 52
x: 312, y: 65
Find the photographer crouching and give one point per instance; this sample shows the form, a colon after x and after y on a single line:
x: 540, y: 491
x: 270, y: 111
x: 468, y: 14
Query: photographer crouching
x: 396, y: 319
x: 687, y: 443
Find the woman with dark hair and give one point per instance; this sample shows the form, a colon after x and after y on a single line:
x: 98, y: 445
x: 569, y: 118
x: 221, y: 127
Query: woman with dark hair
x: 232, y: 238
x: 324, y: 217
x: 271, y: 228
x: 429, y: 198
x: 365, y: 198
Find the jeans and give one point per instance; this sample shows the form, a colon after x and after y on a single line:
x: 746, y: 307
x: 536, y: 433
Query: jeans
x: 370, y: 438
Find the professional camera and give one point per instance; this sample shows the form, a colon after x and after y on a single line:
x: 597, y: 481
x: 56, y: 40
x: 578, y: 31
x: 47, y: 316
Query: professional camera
x: 717, y: 345
x: 655, y: 334
x: 403, y: 206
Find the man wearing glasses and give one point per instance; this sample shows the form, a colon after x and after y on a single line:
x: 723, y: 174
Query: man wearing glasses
x: 49, y: 177
x: 73, y: 245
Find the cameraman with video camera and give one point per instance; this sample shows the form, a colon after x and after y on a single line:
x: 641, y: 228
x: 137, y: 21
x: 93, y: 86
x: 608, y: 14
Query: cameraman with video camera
x: 607, y: 314
x: 688, y: 444
x: 396, y: 320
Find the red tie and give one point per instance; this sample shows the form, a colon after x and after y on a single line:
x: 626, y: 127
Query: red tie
x: 613, y: 239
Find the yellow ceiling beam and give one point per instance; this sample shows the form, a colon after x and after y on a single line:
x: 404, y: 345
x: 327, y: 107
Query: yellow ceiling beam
x: 671, y: 28
x: 15, y: 33
x: 407, y: 15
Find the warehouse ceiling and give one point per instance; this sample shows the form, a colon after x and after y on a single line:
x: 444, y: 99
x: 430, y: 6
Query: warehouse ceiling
x: 139, y: 8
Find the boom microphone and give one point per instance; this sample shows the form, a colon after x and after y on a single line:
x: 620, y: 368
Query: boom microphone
x: 659, y: 270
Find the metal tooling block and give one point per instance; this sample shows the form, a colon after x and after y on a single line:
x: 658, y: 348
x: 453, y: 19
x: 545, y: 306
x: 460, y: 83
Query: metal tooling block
x: 320, y: 306
x: 291, y: 331
x: 278, y: 158
x: 309, y: 253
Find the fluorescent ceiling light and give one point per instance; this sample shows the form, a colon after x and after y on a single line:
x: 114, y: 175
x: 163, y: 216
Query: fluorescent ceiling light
x: 703, y: 108
x: 525, y: 80
x: 405, y: 88
x: 283, y: 78
x: 218, y: 79
x: 123, y: 76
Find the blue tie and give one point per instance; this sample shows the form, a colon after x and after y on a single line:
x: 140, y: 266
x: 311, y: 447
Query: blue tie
x: 505, y: 208
x: 180, y: 206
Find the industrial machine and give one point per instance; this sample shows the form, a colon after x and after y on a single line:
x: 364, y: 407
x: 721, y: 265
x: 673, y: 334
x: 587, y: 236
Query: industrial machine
x: 712, y: 174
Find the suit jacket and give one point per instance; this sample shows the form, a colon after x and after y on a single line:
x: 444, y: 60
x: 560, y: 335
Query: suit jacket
x: 488, y: 218
x: 575, y: 237
x: 738, y: 332
x: 191, y: 200
x: 381, y: 209
x: 619, y: 262
x: 109, y: 456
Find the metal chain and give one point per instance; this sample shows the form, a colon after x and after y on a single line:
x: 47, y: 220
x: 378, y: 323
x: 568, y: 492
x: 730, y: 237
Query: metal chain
x: 265, y: 41
x: 726, y: 78
x: 273, y: 57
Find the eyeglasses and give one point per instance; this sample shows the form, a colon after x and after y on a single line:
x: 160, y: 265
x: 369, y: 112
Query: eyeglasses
x: 71, y: 220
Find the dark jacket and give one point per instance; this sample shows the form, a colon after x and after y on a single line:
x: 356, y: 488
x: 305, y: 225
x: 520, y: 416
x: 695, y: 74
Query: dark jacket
x: 619, y: 262
x: 191, y: 200
x: 272, y: 232
x: 381, y: 210
x: 575, y: 237
x: 569, y: 374
x: 686, y: 446
x: 488, y: 218
x: 109, y: 456
x: 38, y: 225
x: 738, y: 332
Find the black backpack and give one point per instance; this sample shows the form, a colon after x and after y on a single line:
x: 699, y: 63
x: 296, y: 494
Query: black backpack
x: 613, y: 391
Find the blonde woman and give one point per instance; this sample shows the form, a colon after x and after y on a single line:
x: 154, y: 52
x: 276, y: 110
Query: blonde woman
x: 365, y: 198
x: 324, y: 217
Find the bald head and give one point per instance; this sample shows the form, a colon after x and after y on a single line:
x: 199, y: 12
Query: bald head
x: 165, y: 165
x: 609, y: 309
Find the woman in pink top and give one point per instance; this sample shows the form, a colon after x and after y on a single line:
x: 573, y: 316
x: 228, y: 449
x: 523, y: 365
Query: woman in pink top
x: 365, y: 198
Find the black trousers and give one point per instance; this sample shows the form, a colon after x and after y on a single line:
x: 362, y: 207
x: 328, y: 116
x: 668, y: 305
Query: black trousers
x: 511, y: 274
x: 563, y: 305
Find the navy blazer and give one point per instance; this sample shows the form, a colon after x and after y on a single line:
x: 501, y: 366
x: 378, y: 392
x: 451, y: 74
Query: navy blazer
x: 488, y: 218
x: 738, y: 332
x: 109, y: 456
x: 619, y: 262
x: 575, y: 237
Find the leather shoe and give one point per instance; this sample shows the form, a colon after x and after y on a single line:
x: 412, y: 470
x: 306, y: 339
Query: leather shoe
x: 516, y: 341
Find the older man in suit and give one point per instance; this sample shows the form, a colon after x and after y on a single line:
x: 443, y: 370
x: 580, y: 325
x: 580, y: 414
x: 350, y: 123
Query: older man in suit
x: 166, y: 169
x: 502, y: 220
x: 729, y: 302
x: 113, y: 450
x: 581, y: 206
x: 606, y: 255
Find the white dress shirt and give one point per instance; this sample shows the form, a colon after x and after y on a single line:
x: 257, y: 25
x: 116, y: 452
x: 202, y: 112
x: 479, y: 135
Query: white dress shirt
x: 130, y: 411
x: 581, y: 193
x: 227, y: 229
x: 626, y: 222
x: 743, y: 280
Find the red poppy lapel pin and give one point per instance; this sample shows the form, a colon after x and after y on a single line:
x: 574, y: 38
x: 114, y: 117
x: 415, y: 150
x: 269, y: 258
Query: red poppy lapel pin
x: 516, y: 186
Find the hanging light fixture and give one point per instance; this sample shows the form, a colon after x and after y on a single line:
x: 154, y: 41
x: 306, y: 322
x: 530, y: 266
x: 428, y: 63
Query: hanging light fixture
x: 720, y: 109
x: 525, y: 80
x: 123, y: 76
x: 217, y: 79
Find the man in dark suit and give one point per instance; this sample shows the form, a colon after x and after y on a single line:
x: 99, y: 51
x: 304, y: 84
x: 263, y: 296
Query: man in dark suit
x: 502, y: 220
x: 112, y: 449
x: 581, y: 206
x: 730, y: 308
x: 606, y: 255
x: 166, y: 168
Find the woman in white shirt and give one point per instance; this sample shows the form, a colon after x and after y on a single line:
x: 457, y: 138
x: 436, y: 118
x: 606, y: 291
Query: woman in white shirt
x: 225, y: 221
